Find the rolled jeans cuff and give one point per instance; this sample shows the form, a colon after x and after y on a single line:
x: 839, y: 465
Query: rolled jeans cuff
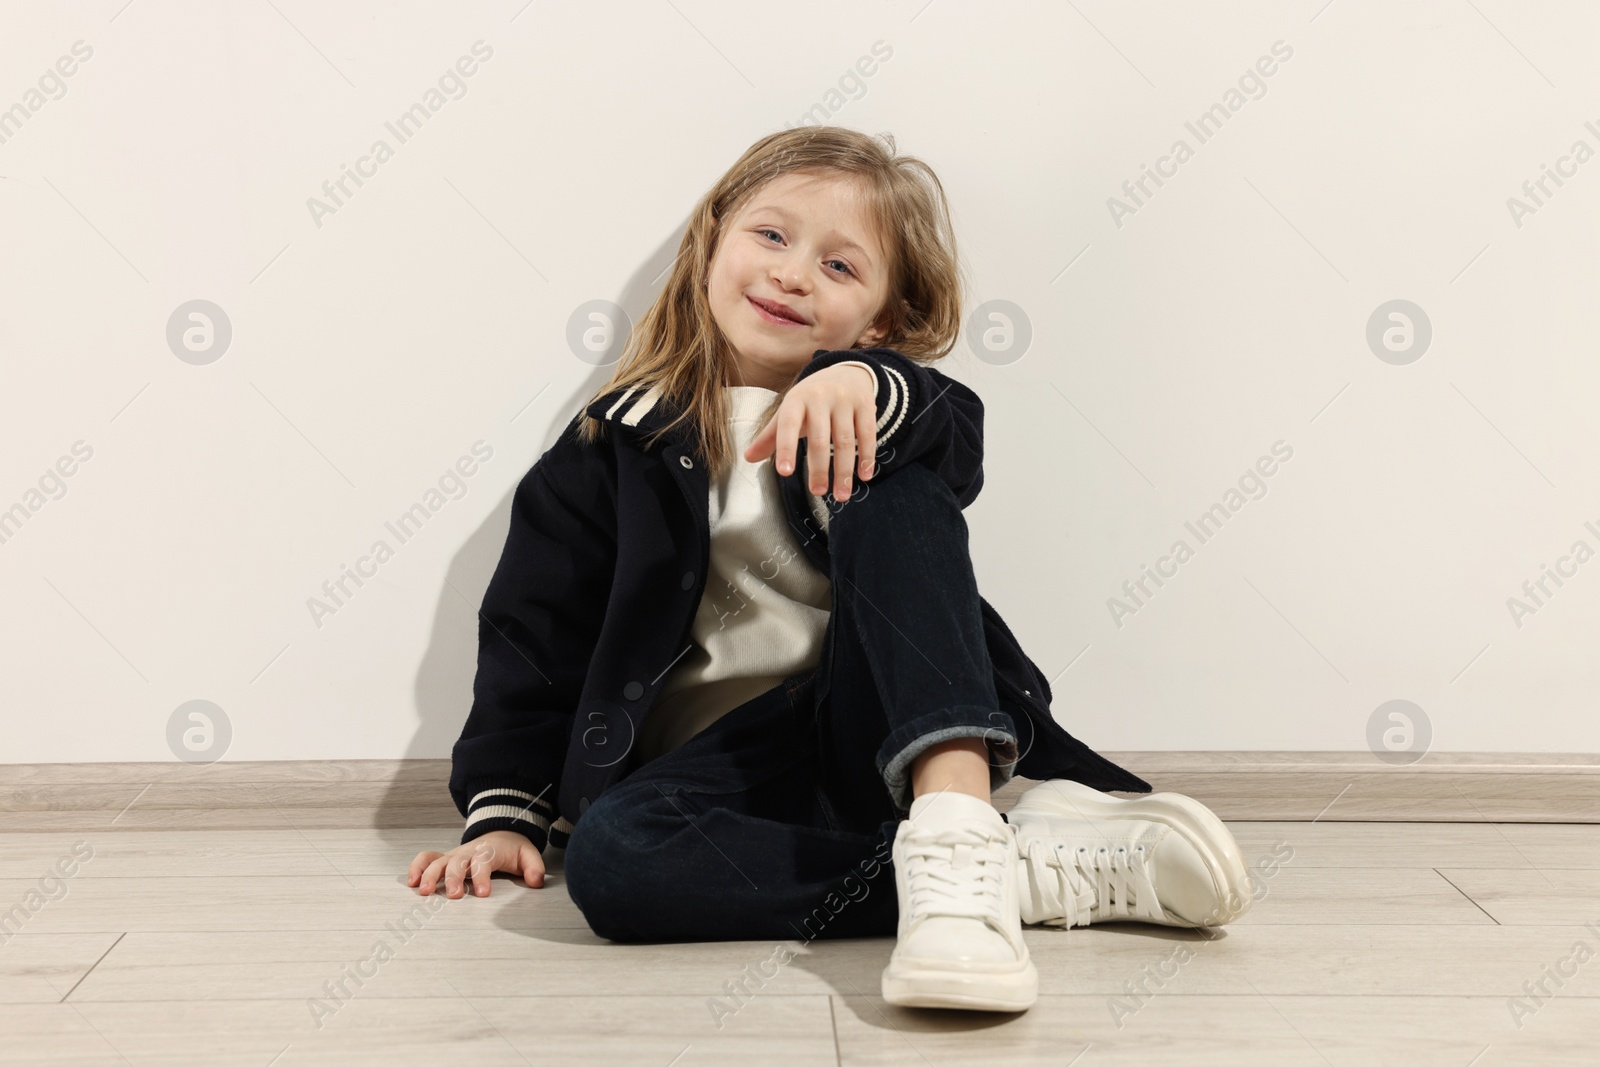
x: 909, y: 741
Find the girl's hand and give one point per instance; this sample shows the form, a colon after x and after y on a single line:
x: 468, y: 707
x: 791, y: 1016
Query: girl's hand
x: 834, y: 408
x: 497, y: 850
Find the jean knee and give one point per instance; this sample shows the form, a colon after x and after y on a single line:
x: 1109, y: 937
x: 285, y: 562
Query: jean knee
x: 910, y: 478
x: 595, y: 868
x: 911, y: 493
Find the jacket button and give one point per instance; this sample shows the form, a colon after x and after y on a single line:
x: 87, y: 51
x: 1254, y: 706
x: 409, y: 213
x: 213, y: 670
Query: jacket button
x: 1027, y: 692
x: 688, y: 580
x: 633, y: 690
x: 686, y: 461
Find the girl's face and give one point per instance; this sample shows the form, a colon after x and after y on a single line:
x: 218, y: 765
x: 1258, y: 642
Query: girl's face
x: 807, y: 243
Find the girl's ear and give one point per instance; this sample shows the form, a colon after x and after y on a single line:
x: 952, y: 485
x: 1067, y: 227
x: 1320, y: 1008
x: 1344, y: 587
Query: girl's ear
x: 874, y: 333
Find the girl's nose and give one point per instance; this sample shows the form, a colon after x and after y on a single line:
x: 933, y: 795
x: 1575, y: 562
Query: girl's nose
x: 792, y: 278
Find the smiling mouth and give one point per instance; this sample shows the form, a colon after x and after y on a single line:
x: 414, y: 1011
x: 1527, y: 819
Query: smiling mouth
x: 772, y: 316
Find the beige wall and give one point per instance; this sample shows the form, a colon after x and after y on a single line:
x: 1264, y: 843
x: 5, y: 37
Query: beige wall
x: 1174, y: 340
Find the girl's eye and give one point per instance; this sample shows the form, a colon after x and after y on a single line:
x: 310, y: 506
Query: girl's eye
x: 764, y: 231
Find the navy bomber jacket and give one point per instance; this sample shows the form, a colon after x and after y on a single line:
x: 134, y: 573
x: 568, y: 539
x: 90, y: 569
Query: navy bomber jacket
x: 603, y: 568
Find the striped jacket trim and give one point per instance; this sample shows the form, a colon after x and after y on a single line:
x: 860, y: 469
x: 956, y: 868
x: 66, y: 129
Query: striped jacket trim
x: 514, y: 804
x: 520, y: 813
x: 894, y: 412
x: 643, y: 403
x: 626, y: 393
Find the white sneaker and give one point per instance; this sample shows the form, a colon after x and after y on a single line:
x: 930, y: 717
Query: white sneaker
x: 1088, y: 857
x: 960, y: 933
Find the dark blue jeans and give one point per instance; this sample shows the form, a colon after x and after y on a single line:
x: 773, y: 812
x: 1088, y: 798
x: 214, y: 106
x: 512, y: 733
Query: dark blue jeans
x: 777, y: 821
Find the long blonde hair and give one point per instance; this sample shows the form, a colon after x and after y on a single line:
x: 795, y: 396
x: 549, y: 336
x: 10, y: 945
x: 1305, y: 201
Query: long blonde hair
x: 677, y: 343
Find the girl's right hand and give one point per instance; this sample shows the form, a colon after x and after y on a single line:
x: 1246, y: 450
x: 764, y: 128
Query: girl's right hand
x: 835, y: 410
x: 497, y: 850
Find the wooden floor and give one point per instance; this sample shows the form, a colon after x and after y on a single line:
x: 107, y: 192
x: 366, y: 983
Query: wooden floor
x: 1399, y: 943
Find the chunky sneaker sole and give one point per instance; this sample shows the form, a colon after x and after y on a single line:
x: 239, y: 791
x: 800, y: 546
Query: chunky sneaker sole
x: 959, y: 939
x: 909, y: 985
x: 1199, y: 826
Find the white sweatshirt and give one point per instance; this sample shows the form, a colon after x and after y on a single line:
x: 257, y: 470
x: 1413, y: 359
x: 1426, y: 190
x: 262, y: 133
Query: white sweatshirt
x: 765, y: 606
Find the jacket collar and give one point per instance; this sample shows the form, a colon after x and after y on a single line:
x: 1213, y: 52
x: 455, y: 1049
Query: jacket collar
x: 636, y: 408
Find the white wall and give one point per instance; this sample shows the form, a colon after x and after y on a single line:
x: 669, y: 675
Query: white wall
x: 1170, y: 349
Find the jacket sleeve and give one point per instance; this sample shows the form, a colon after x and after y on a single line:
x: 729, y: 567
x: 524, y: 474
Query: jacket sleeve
x: 537, y: 631
x: 924, y: 416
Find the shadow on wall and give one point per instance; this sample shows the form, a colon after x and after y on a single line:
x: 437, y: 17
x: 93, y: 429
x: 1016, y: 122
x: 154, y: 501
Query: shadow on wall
x: 444, y: 677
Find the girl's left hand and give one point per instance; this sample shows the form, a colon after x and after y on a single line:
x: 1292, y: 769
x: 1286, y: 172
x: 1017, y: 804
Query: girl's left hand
x: 835, y: 408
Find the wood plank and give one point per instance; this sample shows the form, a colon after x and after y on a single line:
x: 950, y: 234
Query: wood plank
x: 484, y: 1031
x: 1264, y: 1029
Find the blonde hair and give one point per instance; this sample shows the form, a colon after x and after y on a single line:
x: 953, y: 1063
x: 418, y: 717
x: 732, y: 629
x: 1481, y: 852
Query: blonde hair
x: 678, y: 346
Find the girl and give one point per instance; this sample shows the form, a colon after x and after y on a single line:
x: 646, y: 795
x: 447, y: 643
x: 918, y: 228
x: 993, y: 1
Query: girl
x: 735, y: 699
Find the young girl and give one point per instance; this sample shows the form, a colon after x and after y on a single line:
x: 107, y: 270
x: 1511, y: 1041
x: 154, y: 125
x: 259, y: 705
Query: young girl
x: 735, y: 698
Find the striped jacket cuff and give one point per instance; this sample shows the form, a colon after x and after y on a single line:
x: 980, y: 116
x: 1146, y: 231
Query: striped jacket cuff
x: 896, y: 405
x: 529, y: 814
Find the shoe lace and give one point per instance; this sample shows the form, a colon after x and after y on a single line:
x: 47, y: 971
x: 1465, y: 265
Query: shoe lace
x: 1080, y: 885
x: 956, y: 871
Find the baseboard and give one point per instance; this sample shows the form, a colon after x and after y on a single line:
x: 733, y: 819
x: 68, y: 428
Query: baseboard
x: 1359, y: 787
x: 1239, y: 786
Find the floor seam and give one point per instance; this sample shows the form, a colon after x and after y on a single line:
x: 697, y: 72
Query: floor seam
x: 1464, y: 893
x: 92, y: 966
x: 833, y: 1022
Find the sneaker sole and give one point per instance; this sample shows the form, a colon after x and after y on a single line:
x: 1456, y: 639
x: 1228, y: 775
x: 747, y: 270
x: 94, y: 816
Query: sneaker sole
x: 916, y: 984
x: 1206, y: 832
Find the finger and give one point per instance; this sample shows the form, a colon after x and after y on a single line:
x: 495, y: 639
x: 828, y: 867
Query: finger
x: 430, y: 875
x: 418, y: 865
x: 867, y: 439
x: 786, y: 432
x: 532, y: 866
x: 819, y: 449
x: 482, y: 871
x: 844, y: 451
x: 455, y: 875
x: 761, y: 445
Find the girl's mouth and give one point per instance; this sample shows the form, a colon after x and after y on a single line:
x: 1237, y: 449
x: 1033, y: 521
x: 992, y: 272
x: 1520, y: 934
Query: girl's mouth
x: 770, y: 317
